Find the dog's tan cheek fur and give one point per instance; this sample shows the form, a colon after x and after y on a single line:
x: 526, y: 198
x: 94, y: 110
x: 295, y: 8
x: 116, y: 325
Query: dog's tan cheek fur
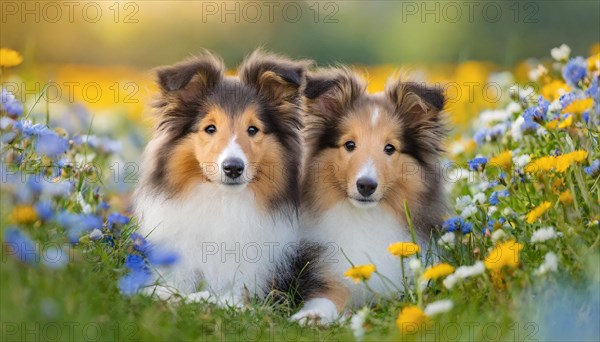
x: 183, y: 168
x: 408, y: 184
x: 325, y: 181
x: 268, y: 166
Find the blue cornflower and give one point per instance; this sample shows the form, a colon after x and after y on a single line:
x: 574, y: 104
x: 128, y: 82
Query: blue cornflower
x: 538, y: 112
x: 29, y: 129
x: 480, y: 136
x: 456, y: 223
x: 492, y: 224
x: 490, y: 134
x: 593, y: 91
x: 103, y: 144
x: 44, y: 210
x: 161, y: 257
x: 135, y: 281
x: 60, y: 188
x: 494, y: 197
x: 96, y: 234
x: 8, y: 102
x: 477, y: 164
x: 134, y: 262
x: 139, y: 242
x: 51, y: 145
x: 575, y: 71
x: 529, y: 126
x: 35, y: 183
x: 55, y: 257
x: 116, y: 218
x: 77, y: 224
x: 21, y: 246
x: 567, y: 98
x: 594, y: 168
x: 104, y: 205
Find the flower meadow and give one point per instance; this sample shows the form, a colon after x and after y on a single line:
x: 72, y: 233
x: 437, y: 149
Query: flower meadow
x: 517, y: 258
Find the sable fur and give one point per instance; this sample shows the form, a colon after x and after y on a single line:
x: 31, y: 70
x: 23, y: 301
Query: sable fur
x: 181, y: 206
x: 332, y: 93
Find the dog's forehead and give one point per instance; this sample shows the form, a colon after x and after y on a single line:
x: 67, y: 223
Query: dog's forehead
x: 233, y: 96
x: 374, y: 108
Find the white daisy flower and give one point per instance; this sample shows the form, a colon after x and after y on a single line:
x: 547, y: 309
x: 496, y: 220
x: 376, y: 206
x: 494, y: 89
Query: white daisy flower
x: 469, y: 211
x: 448, y: 239
x: 414, y: 264
x: 543, y: 234
x: 561, y: 53
x: 464, y: 272
x: 479, y: 198
x: 498, y: 235
x: 357, y: 323
x: 550, y: 264
x: 438, y: 307
x: 522, y: 160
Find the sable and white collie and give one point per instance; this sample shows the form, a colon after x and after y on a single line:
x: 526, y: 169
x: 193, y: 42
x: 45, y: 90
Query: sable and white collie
x: 366, y: 155
x: 220, y: 177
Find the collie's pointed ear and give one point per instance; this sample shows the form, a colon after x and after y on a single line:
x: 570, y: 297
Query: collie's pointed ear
x: 205, y: 71
x: 278, y: 79
x: 420, y: 109
x: 329, y: 92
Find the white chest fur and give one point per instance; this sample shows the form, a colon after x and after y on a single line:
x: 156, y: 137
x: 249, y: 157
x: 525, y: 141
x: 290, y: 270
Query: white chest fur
x: 224, y: 241
x: 362, y: 236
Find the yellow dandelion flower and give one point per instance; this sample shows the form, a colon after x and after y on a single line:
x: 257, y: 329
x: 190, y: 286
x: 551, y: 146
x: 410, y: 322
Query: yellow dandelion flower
x: 594, y: 62
x: 504, y: 160
x: 546, y: 163
x: 566, y: 122
x: 559, y: 164
x: 403, y: 249
x: 557, y: 185
x: 360, y: 273
x: 578, y: 156
x: 554, y: 90
x: 22, y: 214
x: 410, y: 317
x: 566, y: 197
x: 497, y: 278
x: 504, y: 254
x: 552, y: 124
x: 10, y: 58
x: 540, y: 210
x: 562, y: 163
x: 579, y: 106
x: 437, y: 271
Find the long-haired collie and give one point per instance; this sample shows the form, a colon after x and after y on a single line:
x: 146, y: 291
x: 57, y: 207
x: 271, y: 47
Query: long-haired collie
x: 220, y: 176
x: 366, y: 155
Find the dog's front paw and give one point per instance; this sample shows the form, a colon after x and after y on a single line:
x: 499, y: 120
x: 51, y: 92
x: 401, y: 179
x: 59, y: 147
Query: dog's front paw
x: 160, y: 292
x: 200, y: 296
x: 318, y: 311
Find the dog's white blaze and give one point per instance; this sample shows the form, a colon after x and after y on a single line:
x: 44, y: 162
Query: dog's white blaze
x: 374, y: 116
x: 363, y: 235
x: 233, y: 150
x: 368, y: 170
x: 224, y: 241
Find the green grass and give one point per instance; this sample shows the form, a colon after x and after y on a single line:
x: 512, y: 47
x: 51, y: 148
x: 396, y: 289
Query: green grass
x: 82, y: 300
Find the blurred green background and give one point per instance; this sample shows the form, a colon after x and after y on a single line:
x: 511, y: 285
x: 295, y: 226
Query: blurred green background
x: 148, y: 33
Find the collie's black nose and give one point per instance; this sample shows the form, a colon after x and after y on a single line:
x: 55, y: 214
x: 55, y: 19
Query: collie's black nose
x: 233, y: 167
x: 366, y: 186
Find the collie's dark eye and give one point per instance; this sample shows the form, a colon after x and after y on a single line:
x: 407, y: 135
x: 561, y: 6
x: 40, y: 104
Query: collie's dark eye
x: 210, y: 129
x: 350, y: 146
x: 389, y: 149
x: 252, y: 130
